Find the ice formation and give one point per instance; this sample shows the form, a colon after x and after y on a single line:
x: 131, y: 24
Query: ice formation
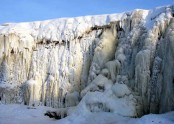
x: 118, y: 63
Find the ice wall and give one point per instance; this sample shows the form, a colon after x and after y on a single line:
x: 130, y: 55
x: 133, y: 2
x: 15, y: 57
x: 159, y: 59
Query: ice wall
x: 97, y: 63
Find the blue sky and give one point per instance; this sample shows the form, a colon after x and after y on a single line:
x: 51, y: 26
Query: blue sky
x: 34, y: 10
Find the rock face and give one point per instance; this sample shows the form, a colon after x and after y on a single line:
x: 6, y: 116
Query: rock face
x: 120, y: 63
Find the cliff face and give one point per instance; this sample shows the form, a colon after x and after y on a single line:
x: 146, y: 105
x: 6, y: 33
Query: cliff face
x: 119, y: 63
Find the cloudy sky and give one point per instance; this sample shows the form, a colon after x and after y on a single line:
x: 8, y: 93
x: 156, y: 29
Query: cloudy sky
x: 34, y: 10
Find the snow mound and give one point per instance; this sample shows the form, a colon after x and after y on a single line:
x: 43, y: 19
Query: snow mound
x: 120, y: 90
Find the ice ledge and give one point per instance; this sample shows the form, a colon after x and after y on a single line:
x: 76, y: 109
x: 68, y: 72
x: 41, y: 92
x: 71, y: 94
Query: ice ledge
x: 63, y: 28
x: 70, y: 28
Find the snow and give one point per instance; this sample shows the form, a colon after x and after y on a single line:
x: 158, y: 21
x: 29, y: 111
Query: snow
x: 59, y: 29
x: 113, y: 99
x: 20, y: 114
x: 156, y: 15
x: 71, y: 28
x: 120, y: 90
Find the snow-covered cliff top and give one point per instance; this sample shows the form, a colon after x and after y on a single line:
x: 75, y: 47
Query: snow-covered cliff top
x: 63, y: 28
x: 71, y: 28
x: 26, y: 35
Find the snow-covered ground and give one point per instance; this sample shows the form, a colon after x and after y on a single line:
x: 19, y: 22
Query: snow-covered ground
x: 20, y: 114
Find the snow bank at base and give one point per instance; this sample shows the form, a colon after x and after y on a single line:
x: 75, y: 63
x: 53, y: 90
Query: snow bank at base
x: 102, y: 96
x: 20, y: 114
